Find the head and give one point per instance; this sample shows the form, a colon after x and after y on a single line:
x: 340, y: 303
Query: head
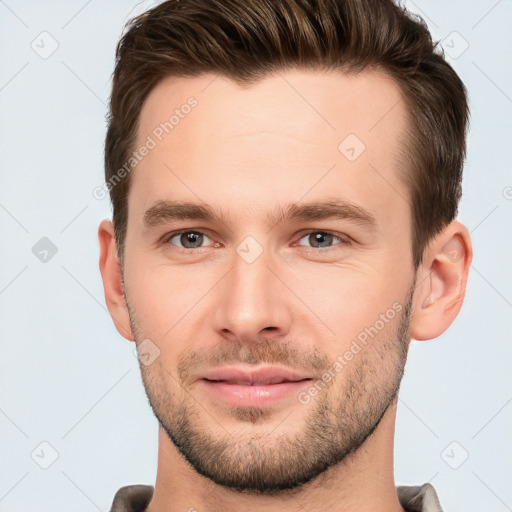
x: 312, y: 153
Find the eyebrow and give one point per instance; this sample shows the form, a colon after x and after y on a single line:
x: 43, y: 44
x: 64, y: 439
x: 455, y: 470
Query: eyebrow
x: 164, y: 211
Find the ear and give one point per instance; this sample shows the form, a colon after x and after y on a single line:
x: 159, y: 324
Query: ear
x: 441, y: 282
x: 111, y: 275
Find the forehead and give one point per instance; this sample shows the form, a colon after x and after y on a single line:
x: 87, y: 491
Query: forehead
x: 294, y: 134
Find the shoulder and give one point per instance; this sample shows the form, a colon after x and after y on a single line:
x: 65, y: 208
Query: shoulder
x: 132, y: 498
x: 419, y: 498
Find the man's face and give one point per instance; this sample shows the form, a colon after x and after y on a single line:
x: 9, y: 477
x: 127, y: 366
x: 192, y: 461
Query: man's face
x: 273, y: 282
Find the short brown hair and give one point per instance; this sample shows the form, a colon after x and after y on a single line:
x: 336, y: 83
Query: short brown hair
x: 247, y: 41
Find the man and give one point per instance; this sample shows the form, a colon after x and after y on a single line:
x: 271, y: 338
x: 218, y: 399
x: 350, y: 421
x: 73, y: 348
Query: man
x: 285, y: 178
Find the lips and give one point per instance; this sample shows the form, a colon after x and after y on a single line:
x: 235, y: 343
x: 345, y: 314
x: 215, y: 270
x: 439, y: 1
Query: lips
x: 255, y: 377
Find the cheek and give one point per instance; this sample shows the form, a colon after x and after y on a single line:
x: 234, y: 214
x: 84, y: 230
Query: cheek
x: 165, y: 297
x: 151, y: 298
x: 346, y: 299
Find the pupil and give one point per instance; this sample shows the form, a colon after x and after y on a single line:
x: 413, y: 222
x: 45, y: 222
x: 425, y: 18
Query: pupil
x: 189, y: 239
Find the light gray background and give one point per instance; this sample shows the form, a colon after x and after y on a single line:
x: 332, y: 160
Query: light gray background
x: 68, y: 378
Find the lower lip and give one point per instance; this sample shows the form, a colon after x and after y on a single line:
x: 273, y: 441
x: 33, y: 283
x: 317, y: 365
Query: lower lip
x: 253, y: 396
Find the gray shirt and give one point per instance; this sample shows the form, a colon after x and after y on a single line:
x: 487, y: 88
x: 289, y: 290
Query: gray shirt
x: 421, y: 498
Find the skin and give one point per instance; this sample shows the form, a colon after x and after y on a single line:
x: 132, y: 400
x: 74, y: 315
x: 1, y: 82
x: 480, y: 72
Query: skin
x: 247, y: 151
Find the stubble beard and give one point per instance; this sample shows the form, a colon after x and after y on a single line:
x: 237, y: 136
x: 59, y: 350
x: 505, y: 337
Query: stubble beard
x: 337, y: 422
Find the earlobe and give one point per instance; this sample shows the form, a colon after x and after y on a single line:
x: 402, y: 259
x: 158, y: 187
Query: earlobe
x: 442, y: 279
x: 111, y: 275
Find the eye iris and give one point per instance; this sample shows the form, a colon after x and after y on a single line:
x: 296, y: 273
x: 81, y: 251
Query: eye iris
x: 322, y: 239
x: 190, y: 238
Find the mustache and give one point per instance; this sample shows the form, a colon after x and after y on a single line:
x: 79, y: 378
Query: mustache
x: 264, y: 351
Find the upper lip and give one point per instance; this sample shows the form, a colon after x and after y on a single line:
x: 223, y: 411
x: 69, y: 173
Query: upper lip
x: 260, y: 376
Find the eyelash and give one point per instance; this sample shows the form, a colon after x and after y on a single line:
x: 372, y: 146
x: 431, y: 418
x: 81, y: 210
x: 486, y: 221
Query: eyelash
x: 343, y: 239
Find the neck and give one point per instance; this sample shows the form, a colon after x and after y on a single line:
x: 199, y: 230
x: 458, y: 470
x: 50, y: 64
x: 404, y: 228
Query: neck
x: 363, y: 481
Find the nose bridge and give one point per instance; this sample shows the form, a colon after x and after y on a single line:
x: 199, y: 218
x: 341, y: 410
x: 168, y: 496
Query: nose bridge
x: 251, y: 297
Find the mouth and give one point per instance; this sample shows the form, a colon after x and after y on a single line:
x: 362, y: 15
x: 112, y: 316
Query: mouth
x: 261, y: 376
x: 243, y: 387
x: 261, y: 382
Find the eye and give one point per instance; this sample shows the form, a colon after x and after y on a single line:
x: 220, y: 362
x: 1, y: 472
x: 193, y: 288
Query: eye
x: 187, y: 239
x: 321, y: 239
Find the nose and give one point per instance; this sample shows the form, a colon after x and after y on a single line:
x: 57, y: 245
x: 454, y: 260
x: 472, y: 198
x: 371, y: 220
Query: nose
x: 253, y: 301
